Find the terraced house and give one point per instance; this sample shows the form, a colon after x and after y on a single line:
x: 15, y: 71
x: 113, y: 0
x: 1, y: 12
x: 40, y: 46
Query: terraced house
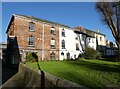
x: 50, y: 40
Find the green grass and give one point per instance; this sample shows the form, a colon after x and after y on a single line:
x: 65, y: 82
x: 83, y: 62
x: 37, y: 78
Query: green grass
x: 89, y: 73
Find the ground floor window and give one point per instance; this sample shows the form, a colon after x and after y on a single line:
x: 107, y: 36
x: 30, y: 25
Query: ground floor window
x: 52, y: 55
x: 68, y: 55
x: 75, y: 56
x: 62, y: 54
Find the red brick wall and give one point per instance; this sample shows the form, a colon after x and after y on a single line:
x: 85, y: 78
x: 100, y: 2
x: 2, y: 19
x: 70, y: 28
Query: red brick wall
x: 21, y: 31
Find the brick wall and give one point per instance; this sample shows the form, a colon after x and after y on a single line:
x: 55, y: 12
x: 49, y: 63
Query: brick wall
x: 21, y: 32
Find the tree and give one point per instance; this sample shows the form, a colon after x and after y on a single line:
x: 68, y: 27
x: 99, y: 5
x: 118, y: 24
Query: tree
x: 110, y: 12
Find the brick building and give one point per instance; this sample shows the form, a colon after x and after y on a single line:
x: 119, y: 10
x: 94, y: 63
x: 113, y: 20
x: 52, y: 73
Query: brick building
x: 25, y: 34
x: 48, y: 39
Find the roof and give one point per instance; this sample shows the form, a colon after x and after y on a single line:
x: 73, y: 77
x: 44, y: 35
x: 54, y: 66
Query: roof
x: 80, y: 29
x: 84, y: 31
x: 87, y: 31
x: 42, y: 20
x: 34, y: 18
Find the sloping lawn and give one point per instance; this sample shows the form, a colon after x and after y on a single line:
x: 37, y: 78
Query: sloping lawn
x: 89, y: 73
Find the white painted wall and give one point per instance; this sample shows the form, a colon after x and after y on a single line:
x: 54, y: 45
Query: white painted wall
x: 70, y: 44
x: 103, y: 42
x: 91, y: 43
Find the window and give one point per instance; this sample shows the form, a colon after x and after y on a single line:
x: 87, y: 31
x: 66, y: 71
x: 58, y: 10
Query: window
x: 63, y: 32
x: 30, y: 40
x: 89, y: 40
x: 77, y: 36
x: 92, y: 40
x: 75, y: 56
x: 52, y: 55
x: 52, y: 31
x: 68, y: 55
x: 83, y: 37
x: 31, y: 26
x: 63, y: 44
x: 62, y: 54
x: 52, y: 43
x: 77, y: 46
x: 97, y: 37
x: 100, y: 38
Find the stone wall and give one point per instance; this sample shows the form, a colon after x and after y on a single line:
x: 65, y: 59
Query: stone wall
x: 27, y: 77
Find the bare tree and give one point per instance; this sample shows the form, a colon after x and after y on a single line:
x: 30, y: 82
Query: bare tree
x: 110, y: 12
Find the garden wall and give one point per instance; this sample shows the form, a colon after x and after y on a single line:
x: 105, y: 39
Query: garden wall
x: 27, y: 77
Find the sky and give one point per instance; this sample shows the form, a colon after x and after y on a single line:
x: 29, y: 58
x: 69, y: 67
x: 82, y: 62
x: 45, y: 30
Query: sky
x: 71, y: 14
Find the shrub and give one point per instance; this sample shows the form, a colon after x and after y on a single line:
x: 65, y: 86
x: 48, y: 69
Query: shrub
x: 31, y: 57
x: 90, y: 53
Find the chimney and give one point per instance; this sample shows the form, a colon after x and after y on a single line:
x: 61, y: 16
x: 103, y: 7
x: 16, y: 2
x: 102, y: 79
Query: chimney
x: 97, y: 31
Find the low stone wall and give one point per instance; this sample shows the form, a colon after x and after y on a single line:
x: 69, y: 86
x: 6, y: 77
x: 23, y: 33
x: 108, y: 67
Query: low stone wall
x: 27, y: 77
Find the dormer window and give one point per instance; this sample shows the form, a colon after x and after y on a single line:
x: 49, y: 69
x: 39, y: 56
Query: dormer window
x: 52, y: 31
x: 63, y: 32
x: 31, y: 26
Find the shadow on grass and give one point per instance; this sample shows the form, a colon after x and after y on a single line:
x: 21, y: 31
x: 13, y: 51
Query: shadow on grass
x: 109, y: 59
x: 82, y: 80
x: 90, y: 81
x: 97, y: 66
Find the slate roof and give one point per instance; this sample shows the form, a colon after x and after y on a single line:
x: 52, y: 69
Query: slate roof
x: 85, y: 31
x: 42, y: 20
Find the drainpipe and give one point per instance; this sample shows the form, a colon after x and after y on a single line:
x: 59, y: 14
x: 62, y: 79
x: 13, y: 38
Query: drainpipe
x: 43, y: 41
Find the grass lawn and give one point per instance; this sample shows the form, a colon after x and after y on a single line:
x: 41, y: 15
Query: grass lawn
x: 89, y: 73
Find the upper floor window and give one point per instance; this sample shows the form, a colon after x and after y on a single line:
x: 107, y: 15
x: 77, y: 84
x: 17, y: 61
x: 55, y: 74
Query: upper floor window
x: 77, y: 36
x: 31, y: 26
x: 52, y: 43
x: 97, y: 37
x: 92, y: 40
x: 77, y: 46
x: 89, y: 40
x: 52, y: 55
x: 63, y: 32
x: 52, y: 31
x: 83, y: 37
x: 30, y: 40
x: 63, y: 44
x: 100, y: 38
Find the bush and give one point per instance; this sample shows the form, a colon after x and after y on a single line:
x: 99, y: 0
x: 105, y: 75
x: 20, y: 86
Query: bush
x: 90, y: 53
x: 31, y: 57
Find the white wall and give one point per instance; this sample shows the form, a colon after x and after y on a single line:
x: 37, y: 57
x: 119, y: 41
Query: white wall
x: 91, y: 43
x: 103, y: 42
x: 70, y: 44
